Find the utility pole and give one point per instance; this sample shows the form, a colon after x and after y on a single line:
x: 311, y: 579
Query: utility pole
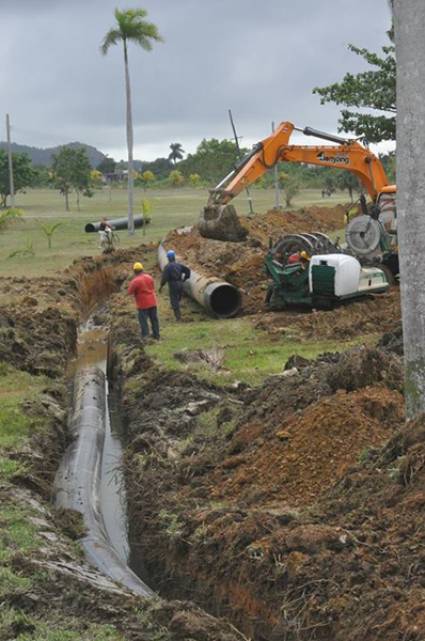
x: 276, y: 182
x: 238, y: 149
x: 9, y: 155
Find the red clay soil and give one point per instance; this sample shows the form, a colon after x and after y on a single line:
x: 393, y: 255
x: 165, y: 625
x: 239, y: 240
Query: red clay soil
x: 305, y: 454
x: 276, y: 223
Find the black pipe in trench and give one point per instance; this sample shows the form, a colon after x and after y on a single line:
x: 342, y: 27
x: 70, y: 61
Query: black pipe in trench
x: 88, y: 479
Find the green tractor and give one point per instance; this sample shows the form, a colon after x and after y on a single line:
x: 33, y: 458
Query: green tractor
x: 321, y: 277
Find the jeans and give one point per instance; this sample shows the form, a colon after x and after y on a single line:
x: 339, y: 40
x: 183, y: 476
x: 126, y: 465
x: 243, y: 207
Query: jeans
x: 151, y: 314
x: 176, y: 292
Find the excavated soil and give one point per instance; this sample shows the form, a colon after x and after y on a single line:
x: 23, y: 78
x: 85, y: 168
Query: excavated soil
x: 304, y: 455
x: 372, y: 315
x: 242, y: 265
x: 296, y: 509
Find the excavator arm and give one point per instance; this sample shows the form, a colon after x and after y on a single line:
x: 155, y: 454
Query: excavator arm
x: 349, y: 155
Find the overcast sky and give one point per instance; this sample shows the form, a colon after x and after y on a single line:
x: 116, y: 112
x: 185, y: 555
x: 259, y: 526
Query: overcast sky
x: 261, y: 59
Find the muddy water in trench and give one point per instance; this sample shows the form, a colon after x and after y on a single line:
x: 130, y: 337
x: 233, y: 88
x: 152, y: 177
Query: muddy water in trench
x: 90, y: 478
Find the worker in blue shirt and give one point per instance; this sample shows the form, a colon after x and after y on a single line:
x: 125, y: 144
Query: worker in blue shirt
x: 174, y: 274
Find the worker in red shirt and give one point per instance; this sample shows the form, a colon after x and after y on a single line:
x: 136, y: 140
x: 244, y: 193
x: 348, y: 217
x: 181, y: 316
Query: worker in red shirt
x: 142, y: 287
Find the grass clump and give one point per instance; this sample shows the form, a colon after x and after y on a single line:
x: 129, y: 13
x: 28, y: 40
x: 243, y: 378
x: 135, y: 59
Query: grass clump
x: 14, y: 425
x: 11, y: 583
x: 33, y: 630
x: 8, y: 216
x: 18, y: 533
x: 9, y: 468
x: 15, y: 388
x: 171, y: 524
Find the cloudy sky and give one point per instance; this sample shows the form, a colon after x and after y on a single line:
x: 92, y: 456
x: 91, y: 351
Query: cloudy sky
x: 261, y: 59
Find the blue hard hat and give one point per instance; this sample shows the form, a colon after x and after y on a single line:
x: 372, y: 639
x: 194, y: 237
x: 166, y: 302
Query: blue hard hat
x: 171, y: 253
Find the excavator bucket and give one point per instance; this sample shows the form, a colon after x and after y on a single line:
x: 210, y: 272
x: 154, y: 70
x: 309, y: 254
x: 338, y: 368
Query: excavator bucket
x: 221, y: 222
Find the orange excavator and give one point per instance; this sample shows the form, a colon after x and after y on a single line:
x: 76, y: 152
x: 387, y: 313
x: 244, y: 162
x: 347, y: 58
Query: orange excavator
x: 371, y: 236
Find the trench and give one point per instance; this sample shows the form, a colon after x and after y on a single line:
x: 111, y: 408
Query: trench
x: 89, y: 479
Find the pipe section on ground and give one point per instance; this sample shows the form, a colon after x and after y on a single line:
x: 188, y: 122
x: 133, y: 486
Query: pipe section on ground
x: 216, y: 296
x: 78, y: 479
x: 118, y: 223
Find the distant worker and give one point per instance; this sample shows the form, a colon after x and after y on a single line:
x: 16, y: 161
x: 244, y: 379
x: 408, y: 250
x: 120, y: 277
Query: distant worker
x: 174, y: 274
x: 304, y: 259
x: 104, y: 225
x: 299, y: 258
x: 106, y: 236
x: 293, y: 258
x: 142, y: 287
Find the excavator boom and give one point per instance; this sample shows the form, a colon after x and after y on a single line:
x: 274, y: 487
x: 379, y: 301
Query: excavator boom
x: 349, y: 155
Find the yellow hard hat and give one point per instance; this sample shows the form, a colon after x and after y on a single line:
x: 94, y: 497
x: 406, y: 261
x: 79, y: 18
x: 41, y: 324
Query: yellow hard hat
x: 304, y: 255
x: 138, y: 267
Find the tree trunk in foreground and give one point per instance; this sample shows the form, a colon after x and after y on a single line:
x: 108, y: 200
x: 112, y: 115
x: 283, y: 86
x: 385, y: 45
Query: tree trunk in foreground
x: 410, y: 53
x: 129, y: 144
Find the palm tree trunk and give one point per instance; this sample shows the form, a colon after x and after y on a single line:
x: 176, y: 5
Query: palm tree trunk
x: 410, y: 52
x: 129, y: 144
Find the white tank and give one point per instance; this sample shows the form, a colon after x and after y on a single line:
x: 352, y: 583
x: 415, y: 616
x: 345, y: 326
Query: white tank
x: 347, y: 272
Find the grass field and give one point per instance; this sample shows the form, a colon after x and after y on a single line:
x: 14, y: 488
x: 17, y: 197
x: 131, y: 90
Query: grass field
x: 171, y: 208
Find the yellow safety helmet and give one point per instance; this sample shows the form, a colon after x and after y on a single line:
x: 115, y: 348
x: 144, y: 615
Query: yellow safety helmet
x: 304, y: 255
x: 138, y: 267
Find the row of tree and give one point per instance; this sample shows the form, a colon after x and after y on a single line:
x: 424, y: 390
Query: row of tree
x: 71, y: 172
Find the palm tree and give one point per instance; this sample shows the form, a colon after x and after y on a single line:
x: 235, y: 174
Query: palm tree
x: 130, y: 27
x: 177, y: 152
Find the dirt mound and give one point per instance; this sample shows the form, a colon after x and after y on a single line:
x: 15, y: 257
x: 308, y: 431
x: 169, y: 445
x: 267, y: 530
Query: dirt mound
x: 362, y: 366
x: 349, y: 371
x: 40, y: 342
x: 241, y: 264
x: 275, y: 223
x: 370, y: 315
x: 306, y: 454
x: 297, y: 434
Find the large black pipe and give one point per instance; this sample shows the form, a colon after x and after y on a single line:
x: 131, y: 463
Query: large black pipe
x: 119, y: 223
x: 218, y: 297
x: 78, y: 479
